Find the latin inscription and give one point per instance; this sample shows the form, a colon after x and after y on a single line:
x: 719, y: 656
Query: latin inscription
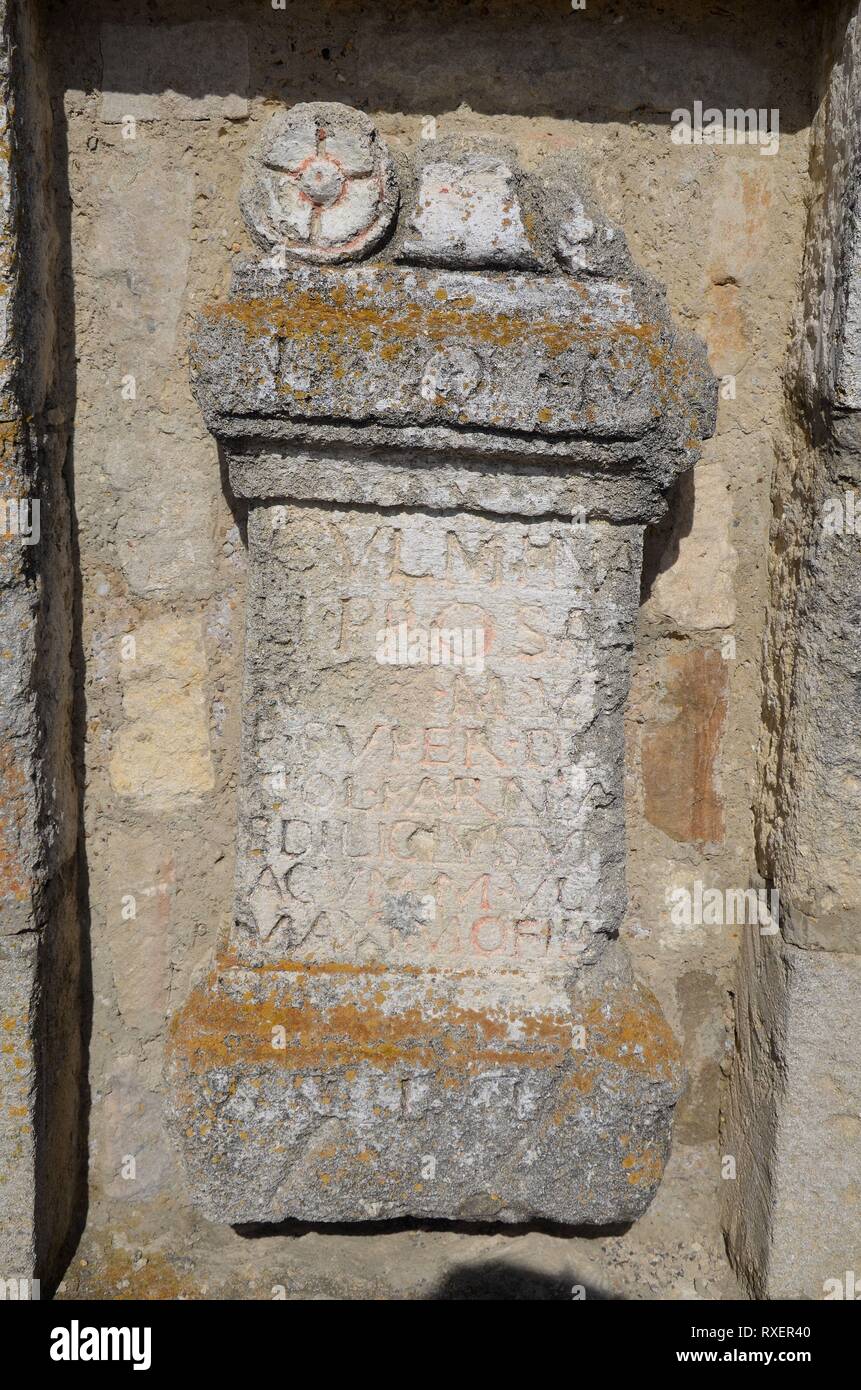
x: 432, y: 708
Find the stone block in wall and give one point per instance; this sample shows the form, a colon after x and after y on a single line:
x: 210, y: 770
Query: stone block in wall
x: 816, y: 1167
x: 693, y: 590
x: 133, y: 1158
x: 680, y: 751
x: 792, y: 1121
x: 140, y: 251
x: 138, y: 879
x: 161, y: 752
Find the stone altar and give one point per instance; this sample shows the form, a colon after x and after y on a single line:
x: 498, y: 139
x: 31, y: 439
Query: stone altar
x: 449, y: 454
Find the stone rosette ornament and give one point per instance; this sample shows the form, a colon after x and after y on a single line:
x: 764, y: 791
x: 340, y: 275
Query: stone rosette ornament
x: 321, y: 185
x: 450, y: 454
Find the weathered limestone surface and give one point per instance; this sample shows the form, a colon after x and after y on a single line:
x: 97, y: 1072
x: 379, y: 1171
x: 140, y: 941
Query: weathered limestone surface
x: 150, y: 223
x: 421, y: 1008
x: 798, y: 1227
x: 794, y: 1214
x: 681, y: 793
x: 162, y: 752
x: 468, y: 212
x: 408, y: 365
x: 817, y: 1193
x: 381, y: 782
x: 430, y: 1092
x: 40, y: 1048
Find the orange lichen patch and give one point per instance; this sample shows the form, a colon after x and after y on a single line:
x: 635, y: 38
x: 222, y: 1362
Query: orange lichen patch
x: 214, y: 1030
x: 10, y: 435
x: 574, y: 1087
x: 313, y: 320
x: 361, y: 1020
x: 647, y: 1167
x: 635, y: 1035
x: 14, y: 881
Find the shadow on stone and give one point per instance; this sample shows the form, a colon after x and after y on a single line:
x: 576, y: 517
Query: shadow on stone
x: 492, y: 1281
x: 259, y: 1230
x: 661, y: 540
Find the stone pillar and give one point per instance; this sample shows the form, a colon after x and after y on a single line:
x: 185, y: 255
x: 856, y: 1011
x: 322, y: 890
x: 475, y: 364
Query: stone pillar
x: 449, y: 456
x: 793, y: 1119
x: 41, y: 1155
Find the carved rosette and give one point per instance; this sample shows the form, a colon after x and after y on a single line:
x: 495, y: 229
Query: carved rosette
x: 321, y: 185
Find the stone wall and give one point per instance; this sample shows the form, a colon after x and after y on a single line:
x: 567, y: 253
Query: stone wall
x: 41, y: 1130
x: 155, y: 112
x: 794, y: 1217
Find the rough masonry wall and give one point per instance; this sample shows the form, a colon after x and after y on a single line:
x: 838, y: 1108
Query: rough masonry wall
x: 41, y: 1126
x: 154, y: 220
x: 794, y: 1217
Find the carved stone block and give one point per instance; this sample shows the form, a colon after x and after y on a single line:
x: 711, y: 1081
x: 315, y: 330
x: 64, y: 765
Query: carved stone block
x: 423, y: 1007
